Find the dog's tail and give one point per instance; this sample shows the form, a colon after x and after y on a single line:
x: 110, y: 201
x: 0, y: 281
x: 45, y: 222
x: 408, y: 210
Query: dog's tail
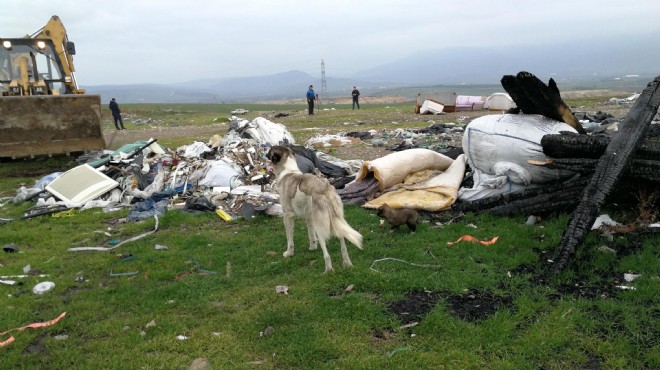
x: 344, y: 230
x: 338, y: 224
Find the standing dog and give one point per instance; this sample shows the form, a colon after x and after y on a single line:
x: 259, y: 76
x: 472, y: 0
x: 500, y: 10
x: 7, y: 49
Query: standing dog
x: 314, y: 199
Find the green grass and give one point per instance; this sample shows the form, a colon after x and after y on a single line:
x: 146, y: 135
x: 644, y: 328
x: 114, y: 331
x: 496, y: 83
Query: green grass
x: 216, y: 285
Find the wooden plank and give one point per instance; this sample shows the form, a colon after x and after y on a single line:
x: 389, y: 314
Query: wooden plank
x: 609, y: 170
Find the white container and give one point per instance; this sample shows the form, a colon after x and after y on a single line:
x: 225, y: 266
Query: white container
x: 43, y: 287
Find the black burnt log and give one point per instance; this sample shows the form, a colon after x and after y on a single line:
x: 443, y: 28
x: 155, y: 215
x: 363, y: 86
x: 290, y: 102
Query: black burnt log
x: 638, y: 168
x: 538, y: 200
x: 560, y: 201
x: 533, y: 96
x: 572, y: 145
x: 610, y: 169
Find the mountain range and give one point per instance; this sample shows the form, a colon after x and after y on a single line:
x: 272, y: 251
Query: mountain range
x: 611, y: 61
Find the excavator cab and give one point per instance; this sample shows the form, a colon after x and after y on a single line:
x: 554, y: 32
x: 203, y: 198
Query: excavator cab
x: 30, y: 67
x: 42, y: 110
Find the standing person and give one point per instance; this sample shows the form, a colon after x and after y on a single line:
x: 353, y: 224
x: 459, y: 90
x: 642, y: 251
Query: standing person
x: 310, y: 99
x: 116, y: 114
x: 355, y: 94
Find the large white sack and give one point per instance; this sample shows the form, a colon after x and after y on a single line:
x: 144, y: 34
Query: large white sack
x: 267, y: 132
x: 501, y: 145
x: 219, y: 173
x: 393, y: 168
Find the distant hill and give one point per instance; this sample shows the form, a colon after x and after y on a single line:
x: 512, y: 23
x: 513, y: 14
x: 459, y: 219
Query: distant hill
x: 585, y: 64
x: 564, y: 61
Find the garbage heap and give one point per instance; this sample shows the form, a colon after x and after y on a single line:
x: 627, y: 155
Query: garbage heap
x: 227, y: 175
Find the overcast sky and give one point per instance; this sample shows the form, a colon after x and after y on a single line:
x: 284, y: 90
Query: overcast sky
x: 169, y: 41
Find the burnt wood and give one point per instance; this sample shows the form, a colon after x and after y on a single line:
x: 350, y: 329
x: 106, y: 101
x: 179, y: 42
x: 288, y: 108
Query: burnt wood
x: 572, y: 145
x: 610, y: 169
x: 638, y: 168
x: 533, y: 96
x: 516, y: 202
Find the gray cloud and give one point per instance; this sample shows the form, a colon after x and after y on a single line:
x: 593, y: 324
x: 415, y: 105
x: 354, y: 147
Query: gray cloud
x: 136, y: 41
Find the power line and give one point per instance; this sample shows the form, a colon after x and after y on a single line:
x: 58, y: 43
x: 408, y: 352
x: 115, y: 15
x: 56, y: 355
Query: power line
x: 324, y: 88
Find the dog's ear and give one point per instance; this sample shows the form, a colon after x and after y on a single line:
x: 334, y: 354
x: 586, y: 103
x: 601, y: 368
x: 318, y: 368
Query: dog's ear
x: 274, y: 155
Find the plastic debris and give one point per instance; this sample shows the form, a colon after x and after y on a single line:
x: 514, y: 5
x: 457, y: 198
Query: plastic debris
x: 604, y: 220
x: 223, y: 215
x: 531, y: 220
x: 31, y: 326
x: 43, y: 287
x: 282, y: 289
x: 10, y: 248
x: 630, y: 277
x: 469, y: 238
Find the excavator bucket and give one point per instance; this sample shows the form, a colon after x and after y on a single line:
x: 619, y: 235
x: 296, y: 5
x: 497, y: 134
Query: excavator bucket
x: 49, y: 124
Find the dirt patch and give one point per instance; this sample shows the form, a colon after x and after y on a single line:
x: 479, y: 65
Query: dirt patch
x: 38, y: 346
x: 470, y: 306
x: 115, y: 139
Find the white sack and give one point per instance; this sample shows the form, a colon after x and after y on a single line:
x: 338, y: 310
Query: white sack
x: 267, y: 132
x: 494, y: 140
x: 219, y: 173
x: 498, y: 148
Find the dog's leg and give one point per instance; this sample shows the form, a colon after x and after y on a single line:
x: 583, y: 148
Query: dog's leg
x: 326, y: 256
x: 344, y: 253
x: 311, y: 232
x: 288, y: 227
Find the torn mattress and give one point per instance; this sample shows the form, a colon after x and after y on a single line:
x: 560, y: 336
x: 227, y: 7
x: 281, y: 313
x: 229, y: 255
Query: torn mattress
x: 415, y: 178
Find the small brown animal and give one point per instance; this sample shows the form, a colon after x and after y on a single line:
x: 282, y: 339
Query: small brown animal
x: 398, y: 217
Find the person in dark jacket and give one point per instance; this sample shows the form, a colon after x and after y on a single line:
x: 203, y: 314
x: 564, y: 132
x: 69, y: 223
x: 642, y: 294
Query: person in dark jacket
x: 116, y: 114
x: 355, y: 93
x: 310, y: 99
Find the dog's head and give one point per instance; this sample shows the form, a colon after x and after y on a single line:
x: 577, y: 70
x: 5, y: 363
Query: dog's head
x: 278, y: 155
x: 383, y: 210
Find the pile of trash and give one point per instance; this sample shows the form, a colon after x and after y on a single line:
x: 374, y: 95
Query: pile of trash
x: 227, y: 175
x: 464, y: 166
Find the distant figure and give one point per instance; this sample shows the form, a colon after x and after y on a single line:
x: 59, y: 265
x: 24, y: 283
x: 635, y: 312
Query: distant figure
x: 116, y: 114
x: 310, y: 99
x: 355, y: 94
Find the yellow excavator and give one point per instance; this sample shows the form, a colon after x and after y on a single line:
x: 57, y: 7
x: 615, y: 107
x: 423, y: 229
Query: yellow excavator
x: 42, y: 109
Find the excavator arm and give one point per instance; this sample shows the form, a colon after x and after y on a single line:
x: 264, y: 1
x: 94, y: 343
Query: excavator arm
x: 54, y: 30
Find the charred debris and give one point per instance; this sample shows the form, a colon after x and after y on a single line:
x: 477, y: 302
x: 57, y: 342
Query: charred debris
x: 610, y: 164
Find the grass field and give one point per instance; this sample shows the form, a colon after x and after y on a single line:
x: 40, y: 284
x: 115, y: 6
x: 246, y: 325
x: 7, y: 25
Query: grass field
x: 411, y: 301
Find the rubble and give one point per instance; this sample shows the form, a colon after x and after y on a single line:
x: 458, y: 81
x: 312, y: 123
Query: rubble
x: 228, y: 175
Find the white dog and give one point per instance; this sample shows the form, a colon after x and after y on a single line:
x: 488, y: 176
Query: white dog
x: 314, y: 199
